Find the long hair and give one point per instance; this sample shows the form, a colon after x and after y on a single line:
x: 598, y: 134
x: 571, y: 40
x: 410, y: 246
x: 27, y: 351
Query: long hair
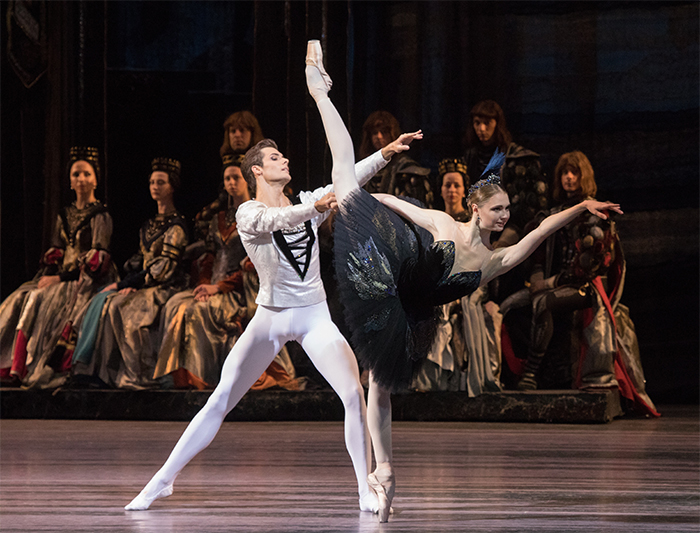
x: 488, y: 109
x: 378, y: 120
x: 578, y: 163
x: 244, y: 120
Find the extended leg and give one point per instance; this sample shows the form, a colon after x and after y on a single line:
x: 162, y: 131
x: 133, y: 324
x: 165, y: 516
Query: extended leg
x: 339, y: 139
x: 248, y: 359
x: 332, y: 356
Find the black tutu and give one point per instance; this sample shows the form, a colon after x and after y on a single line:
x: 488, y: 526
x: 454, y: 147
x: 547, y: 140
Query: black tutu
x: 382, y: 285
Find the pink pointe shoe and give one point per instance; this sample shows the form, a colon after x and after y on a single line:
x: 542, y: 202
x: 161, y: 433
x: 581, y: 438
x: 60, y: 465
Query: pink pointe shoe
x: 383, y: 483
x: 314, y: 58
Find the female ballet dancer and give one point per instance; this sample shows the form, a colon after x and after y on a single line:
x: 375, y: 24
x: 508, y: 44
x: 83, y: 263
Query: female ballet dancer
x: 396, y: 263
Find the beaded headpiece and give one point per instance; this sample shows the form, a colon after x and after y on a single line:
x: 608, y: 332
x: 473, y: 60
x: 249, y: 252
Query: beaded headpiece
x: 86, y: 153
x: 491, y: 179
x: 171, y: 166
x: 452, y: 165
x: 231, y: 160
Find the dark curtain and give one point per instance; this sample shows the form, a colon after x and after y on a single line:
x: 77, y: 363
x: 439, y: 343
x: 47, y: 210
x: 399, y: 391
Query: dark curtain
x: 52, y: 98
x: 617, y: 80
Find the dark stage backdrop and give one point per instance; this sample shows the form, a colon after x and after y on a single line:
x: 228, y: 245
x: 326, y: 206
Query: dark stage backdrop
x: 617, y: 80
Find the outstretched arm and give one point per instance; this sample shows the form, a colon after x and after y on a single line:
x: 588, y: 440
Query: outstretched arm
x: 437, y: 223
x: 369, y: 166
x: 504, y: 259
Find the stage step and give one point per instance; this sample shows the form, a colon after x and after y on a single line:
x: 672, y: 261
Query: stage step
x: 558, y: 406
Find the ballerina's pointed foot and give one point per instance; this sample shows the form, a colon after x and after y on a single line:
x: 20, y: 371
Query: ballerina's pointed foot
x: 147, y: 496
x: 317, y: 79
x: 383, y: 483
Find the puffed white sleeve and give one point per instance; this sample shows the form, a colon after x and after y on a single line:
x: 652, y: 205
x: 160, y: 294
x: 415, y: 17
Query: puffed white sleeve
x: 255, y: 218
x: 369, y: 166
x: 314, y: 196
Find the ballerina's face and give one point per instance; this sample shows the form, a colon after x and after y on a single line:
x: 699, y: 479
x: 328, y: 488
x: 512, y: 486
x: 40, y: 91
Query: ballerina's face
x: 494, y: 212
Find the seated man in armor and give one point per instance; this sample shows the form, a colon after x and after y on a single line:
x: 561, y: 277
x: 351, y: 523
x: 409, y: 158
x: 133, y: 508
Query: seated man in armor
x: 582, y: 268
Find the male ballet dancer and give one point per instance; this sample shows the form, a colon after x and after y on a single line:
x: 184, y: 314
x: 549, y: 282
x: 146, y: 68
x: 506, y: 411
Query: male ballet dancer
x: 281, y: 240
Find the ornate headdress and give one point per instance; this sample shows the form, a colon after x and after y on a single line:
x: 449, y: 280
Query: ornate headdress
x: 491, y: 179
x: 231, y: 160
x: 452, y: 165
x: 171, y: 166
x: 85, y: 153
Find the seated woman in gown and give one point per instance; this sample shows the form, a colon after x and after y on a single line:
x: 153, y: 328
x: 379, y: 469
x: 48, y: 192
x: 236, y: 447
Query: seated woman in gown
x: 127, y: 315
x: 445, y: 364
x: 202, y: 325
x: 39, y: 321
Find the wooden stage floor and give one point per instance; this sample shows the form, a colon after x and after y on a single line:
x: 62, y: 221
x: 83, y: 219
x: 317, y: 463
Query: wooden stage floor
x: 629, y: 475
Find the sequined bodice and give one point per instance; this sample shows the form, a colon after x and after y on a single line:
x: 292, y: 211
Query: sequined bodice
x: 440, y: 257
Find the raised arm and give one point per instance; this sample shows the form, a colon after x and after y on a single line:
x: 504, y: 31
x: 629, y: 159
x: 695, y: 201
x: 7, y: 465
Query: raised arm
x: 369, y: 166
x: 504, y: 259
x: 437, y: 223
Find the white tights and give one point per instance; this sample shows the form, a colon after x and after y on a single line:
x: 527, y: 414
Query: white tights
x: 270, y: 328
x: 344, y: 182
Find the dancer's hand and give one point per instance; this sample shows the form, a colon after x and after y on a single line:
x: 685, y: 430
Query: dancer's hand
x: 597, y: 208
x: 326, y: 203
x: 401, y: 144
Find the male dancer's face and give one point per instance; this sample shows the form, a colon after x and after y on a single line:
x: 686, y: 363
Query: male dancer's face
x: 275, y: 167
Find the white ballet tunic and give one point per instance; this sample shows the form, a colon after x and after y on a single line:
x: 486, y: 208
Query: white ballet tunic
x: 280, y: 284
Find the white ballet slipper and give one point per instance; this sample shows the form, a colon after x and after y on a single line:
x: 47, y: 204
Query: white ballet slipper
x: 146, y: 497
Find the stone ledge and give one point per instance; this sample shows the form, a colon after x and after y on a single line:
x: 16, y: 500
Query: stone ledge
x: 562, y: 406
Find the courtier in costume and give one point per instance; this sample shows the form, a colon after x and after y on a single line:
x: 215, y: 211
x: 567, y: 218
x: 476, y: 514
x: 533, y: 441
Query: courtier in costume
x: 581, y: 268
x: 129, y: 326
x: 280, y: 236
x: 395, y: 271
x: 490, y: 148
x: 444, y: 367
x: 241, y: 131
x: 39, y: 321
x: 202, y: 325
x: 402, y: 176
